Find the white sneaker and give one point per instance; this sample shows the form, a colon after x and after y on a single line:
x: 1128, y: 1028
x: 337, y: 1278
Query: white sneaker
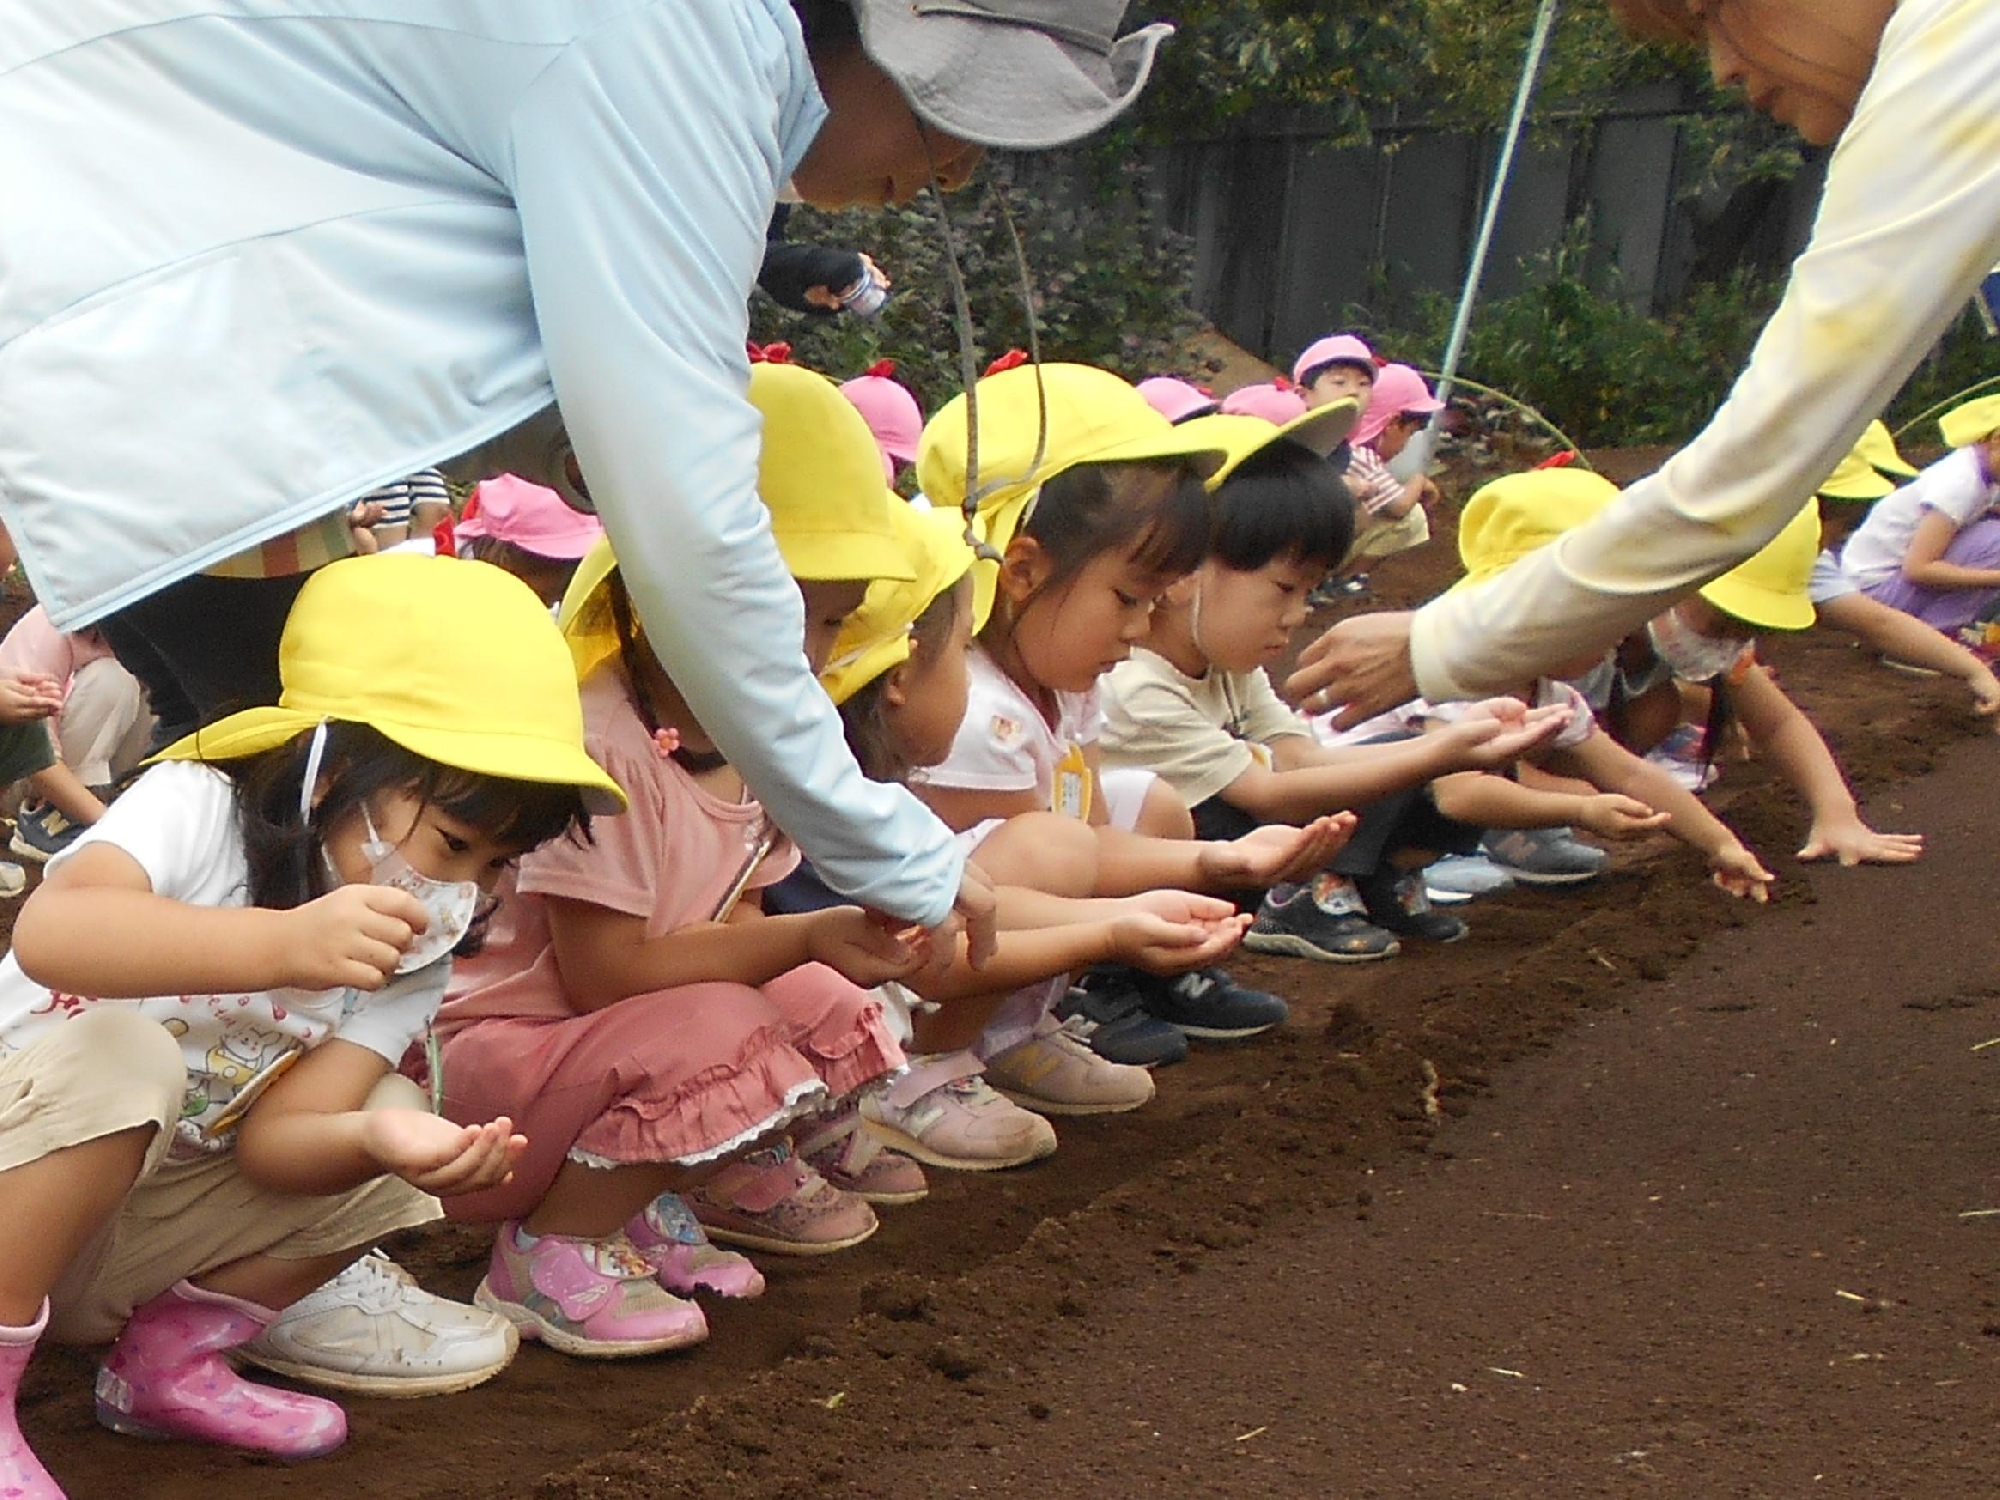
x: 372, y: 1331
x: 13, y: 879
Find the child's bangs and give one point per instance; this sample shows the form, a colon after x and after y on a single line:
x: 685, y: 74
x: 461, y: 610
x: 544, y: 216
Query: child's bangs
x: 515, y: 814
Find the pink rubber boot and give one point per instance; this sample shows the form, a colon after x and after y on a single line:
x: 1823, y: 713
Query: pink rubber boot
x: 22, y: 1476
x: 166, y: 1378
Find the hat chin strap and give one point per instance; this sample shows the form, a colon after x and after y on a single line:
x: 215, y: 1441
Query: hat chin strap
x: 315, y: 754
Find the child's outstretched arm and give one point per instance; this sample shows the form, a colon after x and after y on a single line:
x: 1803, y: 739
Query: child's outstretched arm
x: 1487, y: 801
x: 308, y: 1134
x: 606, y: 956
x: 1905, y: 638
x: 1780, y: 728
x: 349, y: 938
x: 1606, y: 764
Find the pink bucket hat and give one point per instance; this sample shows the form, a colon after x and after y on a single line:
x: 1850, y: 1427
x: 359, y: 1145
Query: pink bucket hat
x: 1399, y: 390
x: 1176, y: 399
x: 509, y: 509
x: 1274, y: 403
x: 891, y: 413
x: 1336, y: 349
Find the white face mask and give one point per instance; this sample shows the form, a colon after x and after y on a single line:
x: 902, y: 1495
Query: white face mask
x: 450, y: 904
x: 1690, y: 655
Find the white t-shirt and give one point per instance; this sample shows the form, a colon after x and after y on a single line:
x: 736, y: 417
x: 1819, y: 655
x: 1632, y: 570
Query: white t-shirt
x: 179, y: 822
x: 1005, y: 745
x: 1957, y: 486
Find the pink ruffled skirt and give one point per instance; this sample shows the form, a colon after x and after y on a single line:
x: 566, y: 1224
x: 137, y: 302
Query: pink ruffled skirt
x: 684, y: 1075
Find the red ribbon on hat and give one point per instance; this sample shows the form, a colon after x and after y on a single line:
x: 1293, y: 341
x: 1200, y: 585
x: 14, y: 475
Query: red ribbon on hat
x: 445, y: 536
x: 882, y: 369
x: 1560, y: 460
x: 1282, y: 382
x: 1013, y: 359
x: 768, y: 354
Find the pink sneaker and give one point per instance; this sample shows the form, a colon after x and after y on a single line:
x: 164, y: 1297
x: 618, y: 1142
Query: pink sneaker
x: 22, y: 1476
x: 595, y: 1299
x: 681, y: 1254
x: 166, y: 1378
x: 942, y: 1113
x: 771, y: 1200
x: 856, y: 1162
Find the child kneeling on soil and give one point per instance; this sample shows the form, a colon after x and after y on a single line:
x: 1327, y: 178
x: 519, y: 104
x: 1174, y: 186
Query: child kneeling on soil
x: 900, y: 675
x: 1706, y: 645
x: 1091, y: 520
x: 654, y: 1031
x: 288, y: 886
x: 1193, y: 705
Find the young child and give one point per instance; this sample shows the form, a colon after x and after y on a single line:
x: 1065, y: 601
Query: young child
x: 892, y: 415
x: 1176, y: 399
x: 1339, y: 367
x: 1390, y: 512
x: 1274, y: 401
x: 1193, y: 704
x: 1932, y: 549
x: 653, y: 1031
x: 99, y: 734
x: 528, y: 530
x: 1708, y: 642
x: 199, y: 1122
x: 1086, y: 540
x: 1866, y: 475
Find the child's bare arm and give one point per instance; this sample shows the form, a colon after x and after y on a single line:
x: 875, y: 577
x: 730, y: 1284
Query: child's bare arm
x: 308, y: 1134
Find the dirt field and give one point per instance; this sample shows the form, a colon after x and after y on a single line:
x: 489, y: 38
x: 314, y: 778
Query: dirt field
x: 1639, y: 1191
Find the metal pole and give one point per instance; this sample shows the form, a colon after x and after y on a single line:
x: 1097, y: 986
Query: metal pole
x: 1419, y: 450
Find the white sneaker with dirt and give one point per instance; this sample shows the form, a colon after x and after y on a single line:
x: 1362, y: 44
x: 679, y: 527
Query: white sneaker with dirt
x: 942, y: 1114
x: 1055, y: 1073
x: 372, y: 1331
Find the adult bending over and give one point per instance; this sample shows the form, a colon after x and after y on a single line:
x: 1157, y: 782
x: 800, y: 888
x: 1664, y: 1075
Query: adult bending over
x: 264, y: 255
x: 1908, y: 225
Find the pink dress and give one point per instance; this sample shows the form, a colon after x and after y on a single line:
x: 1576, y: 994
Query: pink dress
x: 681, y: 1075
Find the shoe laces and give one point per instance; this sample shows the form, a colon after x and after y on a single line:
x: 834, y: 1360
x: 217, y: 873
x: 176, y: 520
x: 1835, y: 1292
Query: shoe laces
x: 376, y: 1281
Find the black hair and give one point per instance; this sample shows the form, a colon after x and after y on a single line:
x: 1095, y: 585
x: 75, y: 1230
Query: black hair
x: 1155, y: 511
x: 282, y: 844
x: 828, y: 23
x: 1309, y: 378
x: 532, y: 568
x: 1283, y: 501
x: 632, y: 655
x: 865, y: 716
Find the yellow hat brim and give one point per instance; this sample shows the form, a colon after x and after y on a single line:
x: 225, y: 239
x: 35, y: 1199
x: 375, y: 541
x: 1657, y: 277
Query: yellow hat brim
x: 1971, y: 423
x: 530, y: 759
x: 878, y: 637
x: 1856, y: 479
x: 1877, y: 449
x: 1320, y: 431
x: 1756, y: 605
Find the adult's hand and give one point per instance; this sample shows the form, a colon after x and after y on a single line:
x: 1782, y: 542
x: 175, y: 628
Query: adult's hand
x: 1362, y: 664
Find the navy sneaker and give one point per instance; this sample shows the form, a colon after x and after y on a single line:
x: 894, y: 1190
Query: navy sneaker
x: 1208, y: 1004
x: 1103, y: 1010
x: 1399, y: 904
x: 41, y: 833
x: 1324, y: 920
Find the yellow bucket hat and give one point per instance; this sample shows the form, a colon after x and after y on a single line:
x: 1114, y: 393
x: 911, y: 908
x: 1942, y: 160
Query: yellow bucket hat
x: 1519, y: 513
x: 876, y: 637
x: 1859, y: 477
x: 454, y: 661
x: 1241, y: 438
x: 1877, y: 449
x: 1769, y: 590
x: 819, y: 474
x: 1094, y: 417
x: 1965, y: 425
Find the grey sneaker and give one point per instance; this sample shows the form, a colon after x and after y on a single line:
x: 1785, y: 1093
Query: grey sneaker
x: 372, y: 1331
x: 1323, y: 920
x: 1462, y: 877
x: 1545, y: 856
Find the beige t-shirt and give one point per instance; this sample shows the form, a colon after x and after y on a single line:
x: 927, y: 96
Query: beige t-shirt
x: 1197, y: 733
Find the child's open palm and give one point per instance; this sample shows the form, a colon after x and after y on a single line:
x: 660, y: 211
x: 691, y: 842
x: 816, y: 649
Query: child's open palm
x: 1499, y: 731
x: 1276, y: 852
x: 350, y: 938
x: 441, y: 1158
x: 1613, y: 815
x: 28, y: 696
x: 1165, y: 945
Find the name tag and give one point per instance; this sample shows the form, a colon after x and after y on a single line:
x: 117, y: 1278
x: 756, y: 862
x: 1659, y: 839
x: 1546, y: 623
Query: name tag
x: 1072, y: 786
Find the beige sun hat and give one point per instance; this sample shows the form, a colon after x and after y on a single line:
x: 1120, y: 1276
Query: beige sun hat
x: 1015, y: 74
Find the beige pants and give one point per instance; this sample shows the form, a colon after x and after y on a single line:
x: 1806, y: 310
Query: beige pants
x: 104, y: 723
x: 1375, y: 537
x: 110, y: 1070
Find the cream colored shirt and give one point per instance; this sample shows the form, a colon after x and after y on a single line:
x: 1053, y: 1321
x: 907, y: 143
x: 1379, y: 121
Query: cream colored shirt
x: 1198, y: 734
x: 1907, y: 227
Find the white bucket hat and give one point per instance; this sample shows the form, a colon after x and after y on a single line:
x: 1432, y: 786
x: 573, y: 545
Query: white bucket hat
x: 1014, y: 74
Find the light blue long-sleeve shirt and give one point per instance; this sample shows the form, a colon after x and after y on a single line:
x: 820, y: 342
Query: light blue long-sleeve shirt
x: 259, y: 256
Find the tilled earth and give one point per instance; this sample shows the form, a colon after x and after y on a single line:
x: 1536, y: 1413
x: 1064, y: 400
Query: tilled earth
x: 1638, y: 1190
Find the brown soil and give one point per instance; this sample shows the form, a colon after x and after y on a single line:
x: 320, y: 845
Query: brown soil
x: 1639, y: 1189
